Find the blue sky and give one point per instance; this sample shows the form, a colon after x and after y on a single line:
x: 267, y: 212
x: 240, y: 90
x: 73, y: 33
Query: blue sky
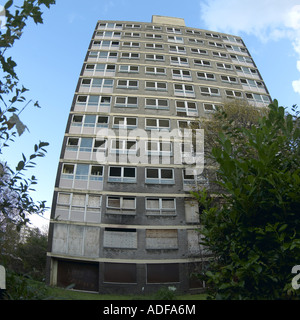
x: 50, y: 58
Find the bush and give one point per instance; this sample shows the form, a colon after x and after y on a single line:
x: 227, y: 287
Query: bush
x: 253, y: 230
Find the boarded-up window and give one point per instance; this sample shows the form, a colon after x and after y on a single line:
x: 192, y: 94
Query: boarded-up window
x: 120, y: 272
x: 120, y: 238
x: 164, y: 206
x: 161, y: 239
x: 163, y: 273
x: 85, y: 276
x: 191, y: 211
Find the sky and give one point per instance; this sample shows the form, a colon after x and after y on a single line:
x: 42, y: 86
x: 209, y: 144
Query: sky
x: 50, y: 56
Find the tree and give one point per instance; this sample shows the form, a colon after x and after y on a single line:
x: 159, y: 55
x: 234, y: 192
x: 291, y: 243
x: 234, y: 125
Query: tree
x: 253, y: 231
x: 16, y: 202
x: 32, y: 253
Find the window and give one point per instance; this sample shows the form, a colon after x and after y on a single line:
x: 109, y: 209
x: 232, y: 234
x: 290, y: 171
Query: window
x: 163, y: 273
x: 120, y: 204
x: 82, y: 172
x: 260, y: 98
x: 99, y: 145
x: 155, y: 70
x: 232, y: 39
x: 190, y: 177
x: 154, y: 46
x: 93, y: 101
x: 158, y: 148
x: 108, y: 34
x: 86, y: 145
x: 177, y: 49
x: 198, y: 51
x: 151, y: 103
x: 155, y: 57
x: 129, y: 69
x: 130, y: 55
x: 181, y: 74
x: 212, y: 35
x: 202, y: 63
x: 133, y: 26
x: 161, y: 239
x: 157, y: 124
x: 132, y: 34
x: 125, y: 122
x: 179, y: 61
x: 83, y: 202
x: 160, y: 206
x: 131, y: 44
x: 175, y: 39
x: 123, y: 146
x: 110, y: 26
x: 122, y: 174
x: 252, y: 83
x: 224, y: 66
x: 159, y: 176
x: 242, y: 59
x: 173, y: 30
x: 215, y: 44
x: 120, y: 272
x: 236, y: 48
x: 188, y: 124
x: 158, y: 28
x: 184, y: 90
x: 98, y: 83
x: 96, y: 173
x: 246, y: 70
x: 77, y: 120
x: 206, y: 76
x: 103, y: 55
x: 233, y: 94
x: 99, y: 67
x: 159, y: 86
x: 72, y: 144
x: 196, y: 41
x: 219, y: 55
x: 126, y: 102
x: 208, y: 91
x: 229, y: 79
x: 120, y: 238
x: 105, y: 44
x: 208, y: 107
x: 193, y: 32
x: 90, y: 121
x: 186, y: 108
x: 154, y: 36
x: 68, y: 171
x: 127, y: 84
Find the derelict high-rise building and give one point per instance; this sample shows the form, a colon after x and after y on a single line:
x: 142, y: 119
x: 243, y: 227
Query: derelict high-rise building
x: 123, y: 219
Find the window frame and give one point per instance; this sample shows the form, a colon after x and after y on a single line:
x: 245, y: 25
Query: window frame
x: 159, y: 179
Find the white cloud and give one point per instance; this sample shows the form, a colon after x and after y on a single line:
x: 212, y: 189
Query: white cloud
x: 296, y: 85
x: 268, y: 20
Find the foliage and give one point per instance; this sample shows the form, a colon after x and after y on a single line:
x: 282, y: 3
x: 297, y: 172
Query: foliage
x: 253, y: 231
x: 20, y: 287
x: 165, y: 293
x: 24, y: 252
x: 232, y: 114
x: 16, y: 202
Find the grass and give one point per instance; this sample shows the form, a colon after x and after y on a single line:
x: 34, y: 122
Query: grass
x: 64, y: 294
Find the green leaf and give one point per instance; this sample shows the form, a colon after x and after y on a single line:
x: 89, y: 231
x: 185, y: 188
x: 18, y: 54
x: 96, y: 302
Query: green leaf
x: 8, y: 4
